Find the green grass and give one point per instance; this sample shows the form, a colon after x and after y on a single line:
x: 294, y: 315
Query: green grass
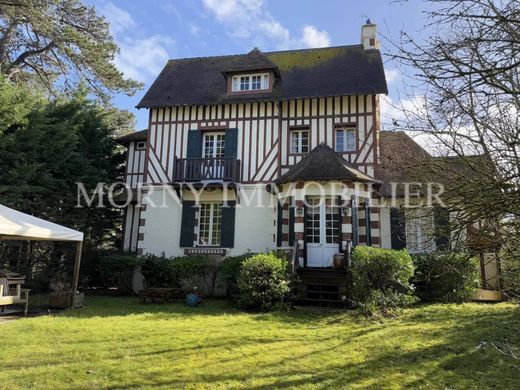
x: 119, y: 344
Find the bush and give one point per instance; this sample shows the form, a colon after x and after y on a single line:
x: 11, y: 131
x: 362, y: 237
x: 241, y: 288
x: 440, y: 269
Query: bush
x: 106, y: 268
x: 231, y: 269
x: 445, y: 276
x: 159, y: 272
x: 197, y: 273
x: 263, y: 283
x: 189, y: 272
x: 381, y: 279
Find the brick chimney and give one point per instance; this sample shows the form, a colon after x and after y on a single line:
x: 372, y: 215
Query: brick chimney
x: 369, y: 35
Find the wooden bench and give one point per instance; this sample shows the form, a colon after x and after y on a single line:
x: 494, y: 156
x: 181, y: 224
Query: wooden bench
x: 160, y: 294
x: 17, y: 295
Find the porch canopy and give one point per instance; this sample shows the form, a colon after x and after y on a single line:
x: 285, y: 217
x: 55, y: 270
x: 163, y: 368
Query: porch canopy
x: 15, y: 225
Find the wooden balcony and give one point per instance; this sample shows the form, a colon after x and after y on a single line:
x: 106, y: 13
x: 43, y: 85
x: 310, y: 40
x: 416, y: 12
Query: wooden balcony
x: 212, y: 169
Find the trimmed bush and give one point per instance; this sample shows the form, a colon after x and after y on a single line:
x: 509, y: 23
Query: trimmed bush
x: 231, y: 270
x: 105, y: 268
x: 445, y: 276
x: 263, y: 283
x: 158, y: 272
x: 381, y: 279
x: 189, y: 272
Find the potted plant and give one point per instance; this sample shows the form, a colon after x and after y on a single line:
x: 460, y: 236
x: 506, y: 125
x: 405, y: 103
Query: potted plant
x: 340, y: 261
x: 193, y: 296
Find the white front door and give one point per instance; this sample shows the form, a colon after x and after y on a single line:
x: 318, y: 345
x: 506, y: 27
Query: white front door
x: 322, y: 231
x: 213, y: 147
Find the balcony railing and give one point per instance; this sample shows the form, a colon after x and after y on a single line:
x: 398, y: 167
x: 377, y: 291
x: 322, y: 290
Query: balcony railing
x: 207, y: 168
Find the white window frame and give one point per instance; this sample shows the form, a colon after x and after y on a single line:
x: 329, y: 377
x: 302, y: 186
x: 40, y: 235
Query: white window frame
x: 240, y: 84
x: 214, y: 234
x: 298, y: 148
x: 216, y: 152
x: 347, y: 147
x: 419, y: 228
x: 141, y: 145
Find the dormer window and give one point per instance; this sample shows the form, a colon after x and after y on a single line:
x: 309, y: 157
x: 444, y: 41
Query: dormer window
x: 250, y: 82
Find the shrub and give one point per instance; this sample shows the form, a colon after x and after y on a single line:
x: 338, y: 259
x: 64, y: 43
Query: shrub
x: 105, y: 268
x: 231, y: 269
x: 197, y: 273
x: 188, y: 272
x: 158, y: 272
x: 381, y: 279
x: 263, y: 283
x: 445, y: 276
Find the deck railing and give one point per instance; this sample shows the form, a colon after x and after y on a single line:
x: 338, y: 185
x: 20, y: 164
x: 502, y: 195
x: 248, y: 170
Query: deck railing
x: 207, y: 168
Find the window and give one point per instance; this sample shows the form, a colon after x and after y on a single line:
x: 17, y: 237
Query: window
x: 140, y: 146
x: 250, y: 82
x: 210, y: 222
x: 419, y: 230
x: 213, y: 145
x: 299, y: 141
x: 345, y: 140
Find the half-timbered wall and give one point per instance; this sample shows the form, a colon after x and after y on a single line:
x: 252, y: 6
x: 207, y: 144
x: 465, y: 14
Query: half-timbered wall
x: 322, y: 116
x: 135, y: 164
x: 263, y: 133
x: 257, y: 125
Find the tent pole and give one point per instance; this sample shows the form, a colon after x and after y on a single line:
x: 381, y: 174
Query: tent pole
x: 75, y: 278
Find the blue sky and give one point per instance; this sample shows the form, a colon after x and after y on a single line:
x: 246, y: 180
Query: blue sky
x: 153, y: 31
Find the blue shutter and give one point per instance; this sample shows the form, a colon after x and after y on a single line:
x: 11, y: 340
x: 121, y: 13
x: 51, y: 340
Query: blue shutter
x: 231, y: 143
x: 187, y: 223
x: 291, y: 223
x: 397, y: 228
x: 228, y: 225
x: 194, y: 144
x: 442, y: 227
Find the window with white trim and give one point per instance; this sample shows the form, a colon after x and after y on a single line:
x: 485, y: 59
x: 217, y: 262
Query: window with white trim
x: 345, y: 140
x: 299, y: 141
x: 420, y: 230
x: 210, y: 223
x: 140, y: 145
x: 250, y: 82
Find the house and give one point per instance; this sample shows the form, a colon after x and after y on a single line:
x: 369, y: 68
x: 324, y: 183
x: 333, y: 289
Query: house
x: 270, y: 150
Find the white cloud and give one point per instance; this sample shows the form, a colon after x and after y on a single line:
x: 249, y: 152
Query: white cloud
x: 248, y: 19
x: 312, y: 37
x: 119, y: 19
x: 141, y: 59
x: 392, y: 75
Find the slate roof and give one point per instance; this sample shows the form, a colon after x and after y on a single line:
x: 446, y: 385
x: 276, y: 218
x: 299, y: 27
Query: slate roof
x: 307, y: 73
x: 322, y: 164
x: 135, y: 136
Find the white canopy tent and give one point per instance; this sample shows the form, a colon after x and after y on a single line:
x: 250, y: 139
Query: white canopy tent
x: 15, y: 225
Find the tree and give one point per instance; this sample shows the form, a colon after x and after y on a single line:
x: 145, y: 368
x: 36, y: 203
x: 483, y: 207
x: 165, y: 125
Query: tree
x: 66, y: 142
x: 60, y: 43
x: 467, y: 73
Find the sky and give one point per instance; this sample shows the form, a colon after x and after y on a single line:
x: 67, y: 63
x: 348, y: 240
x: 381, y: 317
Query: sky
x: 150, y: 32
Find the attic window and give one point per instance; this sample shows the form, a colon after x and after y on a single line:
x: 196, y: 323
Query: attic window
x: 140, y: 146
x: 250, y: 82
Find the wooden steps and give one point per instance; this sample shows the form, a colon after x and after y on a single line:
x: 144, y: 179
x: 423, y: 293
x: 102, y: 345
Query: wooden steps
x: 322, y: 287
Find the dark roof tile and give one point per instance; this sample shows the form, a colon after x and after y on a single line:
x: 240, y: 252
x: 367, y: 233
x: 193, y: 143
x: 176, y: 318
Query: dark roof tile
x: 331, y: 71
x: 322, y: 164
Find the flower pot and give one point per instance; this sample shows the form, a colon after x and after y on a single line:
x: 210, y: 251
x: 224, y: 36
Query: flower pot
x: 340, y: 261
x: 192, y: 300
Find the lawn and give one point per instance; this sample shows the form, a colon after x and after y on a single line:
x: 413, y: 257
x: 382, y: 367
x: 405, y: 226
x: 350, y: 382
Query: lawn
x: 119, y: 344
